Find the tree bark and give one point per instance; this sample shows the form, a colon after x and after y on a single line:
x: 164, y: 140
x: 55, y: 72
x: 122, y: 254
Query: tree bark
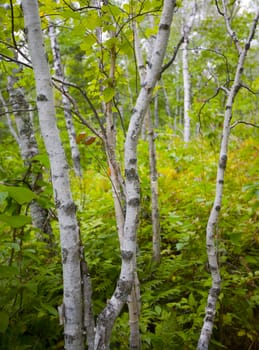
x: 128, y: 250
x: 152, y: 153
x: 203, y: 343
x: 58, y: 67
x: 69, y: 231
x: 187, y: 25
x: 29, y: 148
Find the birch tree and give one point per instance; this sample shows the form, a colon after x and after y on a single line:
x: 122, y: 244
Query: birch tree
x: 188, y: 20
x: 128, y: 249
x: 231, y: 94
x: 71, y: 310
x: 58, y: 68
x: 151, y: 149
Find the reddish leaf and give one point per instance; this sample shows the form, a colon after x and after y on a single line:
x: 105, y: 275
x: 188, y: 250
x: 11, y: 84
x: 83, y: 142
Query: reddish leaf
x: 89, y: 140
x: 80, y: 137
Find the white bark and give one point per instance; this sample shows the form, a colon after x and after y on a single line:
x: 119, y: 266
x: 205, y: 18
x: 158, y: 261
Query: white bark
x: 65, y: 101
x: 8, y: 119
x: 186, y: 89
x: 207, y: 328
x: 152, y: 154
x: 29, y: 148
x: 187, y: 25
x: 107, y: 317
x: 69, y: 231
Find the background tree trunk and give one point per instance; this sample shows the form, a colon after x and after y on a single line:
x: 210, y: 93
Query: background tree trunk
x: 58, y: 67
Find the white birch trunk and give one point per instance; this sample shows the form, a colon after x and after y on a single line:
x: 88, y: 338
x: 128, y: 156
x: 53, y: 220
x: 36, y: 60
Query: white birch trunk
x: 208, y: 322
x: 167, y: 103
x: 186, y: 88
x: 188, y: 20
x: 65, y: 101
x: 29, y: 148
x: 128, y: 252
x: 69, y: 232
x: 152, y: 154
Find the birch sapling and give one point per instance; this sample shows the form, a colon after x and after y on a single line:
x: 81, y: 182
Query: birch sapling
x: 206, y: 332
x: 69, y: 232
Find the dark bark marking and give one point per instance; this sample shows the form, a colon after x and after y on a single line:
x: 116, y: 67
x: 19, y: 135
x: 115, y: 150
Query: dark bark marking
x: 163, y: 26
x: 69, y: 339
x: 64, y: 255
x: 133, y: 161
x: 134, y: 202
x: 223, y: 162
x: 69, y: 207
x: 41, y: 98
x: 123, y: 289
x: 131, y: 174
x: 126, y: 254
x: 221, y: 182
x: 217, y: 208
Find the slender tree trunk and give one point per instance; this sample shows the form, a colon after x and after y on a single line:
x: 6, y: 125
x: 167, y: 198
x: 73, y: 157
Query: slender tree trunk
x: 208, y: 322
x: 107, y: 317
x: 188, y: 20
x: 152, y: 154
x: 65, y: 101
x: 29, y: 148
x: 71, y: 309
x: 186, y: 88
x: 167, y: 103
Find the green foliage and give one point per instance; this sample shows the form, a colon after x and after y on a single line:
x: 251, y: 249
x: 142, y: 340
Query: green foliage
x: 174, y: 294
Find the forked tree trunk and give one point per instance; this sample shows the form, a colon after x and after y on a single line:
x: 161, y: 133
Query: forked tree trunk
x: 208, y: 322
x: 106, y: 319
x: 66, y: 210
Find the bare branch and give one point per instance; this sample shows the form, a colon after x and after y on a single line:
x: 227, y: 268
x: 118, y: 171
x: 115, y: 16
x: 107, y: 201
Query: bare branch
x: 13, y: 36
x: 176, y: 49
x: 229, y: 28
x: 11, y: 59
x: 243, y: 122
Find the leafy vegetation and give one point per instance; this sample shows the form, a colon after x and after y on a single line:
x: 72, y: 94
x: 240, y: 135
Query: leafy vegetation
x: 174, y: 292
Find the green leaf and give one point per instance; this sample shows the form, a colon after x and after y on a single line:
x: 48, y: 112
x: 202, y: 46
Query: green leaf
x: 15, y: 220
x: 4, y: 321
x: 108, y: 94
x: 8, y: 271
x: 3, y: 196
x: 20, y: 194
